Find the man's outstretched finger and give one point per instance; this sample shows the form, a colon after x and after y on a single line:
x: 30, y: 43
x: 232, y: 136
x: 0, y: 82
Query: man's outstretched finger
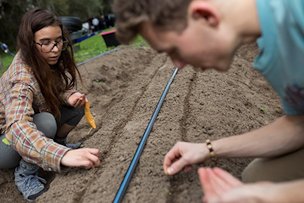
x: 170, y: 157
x: 177, y: 166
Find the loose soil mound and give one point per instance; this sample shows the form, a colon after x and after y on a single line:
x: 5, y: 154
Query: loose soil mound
x: 124, y: 88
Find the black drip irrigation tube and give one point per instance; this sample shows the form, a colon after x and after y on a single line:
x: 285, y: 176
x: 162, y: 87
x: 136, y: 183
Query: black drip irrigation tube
x: 128, y: 175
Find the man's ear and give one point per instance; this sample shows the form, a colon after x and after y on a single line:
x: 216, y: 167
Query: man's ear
x: 204, y: 9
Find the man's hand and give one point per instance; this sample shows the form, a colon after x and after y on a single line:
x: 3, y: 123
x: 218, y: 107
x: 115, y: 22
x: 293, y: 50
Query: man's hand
x: 183, y: 155
x: 221, y: 187
x: 84, y: 158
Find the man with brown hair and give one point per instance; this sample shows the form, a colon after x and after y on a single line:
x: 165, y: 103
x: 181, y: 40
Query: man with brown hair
x: 206, y: 34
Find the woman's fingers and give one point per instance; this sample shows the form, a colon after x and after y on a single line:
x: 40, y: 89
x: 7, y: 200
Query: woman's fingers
x: 93, y: 151
x: 80, y: 101
x: 86, y: 164
x: 84, y: 157
x: 93, y: 157
x: 77, y: 99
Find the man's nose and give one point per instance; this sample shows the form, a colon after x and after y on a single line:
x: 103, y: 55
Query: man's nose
x: 178, y: 63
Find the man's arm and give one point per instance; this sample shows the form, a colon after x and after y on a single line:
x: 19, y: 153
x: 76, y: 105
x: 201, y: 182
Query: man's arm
x: 220, y: 186
x: 285, y: 192
x: 282, y: 136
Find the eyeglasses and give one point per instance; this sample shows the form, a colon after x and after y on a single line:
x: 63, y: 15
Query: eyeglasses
x: 47, y: 46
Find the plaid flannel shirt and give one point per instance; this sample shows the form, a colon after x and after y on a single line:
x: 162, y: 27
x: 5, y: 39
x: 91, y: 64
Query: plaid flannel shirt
x: 20, y: 99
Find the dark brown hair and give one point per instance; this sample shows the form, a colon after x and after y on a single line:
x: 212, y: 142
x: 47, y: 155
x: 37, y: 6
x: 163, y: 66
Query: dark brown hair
x: 53, y: 80
x: 164, y: 14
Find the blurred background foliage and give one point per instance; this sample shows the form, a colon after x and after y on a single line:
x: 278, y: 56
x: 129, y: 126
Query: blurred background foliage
x: 11, y: 12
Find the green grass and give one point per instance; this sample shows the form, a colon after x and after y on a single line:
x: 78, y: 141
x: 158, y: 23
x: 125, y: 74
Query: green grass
x: 84, y: 50
x: 95, y: 45
x: 140, y: 42
x: 89, y: 48
x: 5, y: 61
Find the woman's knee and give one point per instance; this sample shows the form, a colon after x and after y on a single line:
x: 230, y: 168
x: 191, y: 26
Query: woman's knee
x: 9, y: 157
x: 71, y: 115
x: 79, y: 113
x: 46, y: 123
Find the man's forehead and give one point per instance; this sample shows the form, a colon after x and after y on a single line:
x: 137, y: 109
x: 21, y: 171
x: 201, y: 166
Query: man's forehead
x: 148, y: 31
x: 154, y: 36
x: 146, y: 27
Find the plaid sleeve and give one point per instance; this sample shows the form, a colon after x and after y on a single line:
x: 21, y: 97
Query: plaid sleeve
x: 30, y: 143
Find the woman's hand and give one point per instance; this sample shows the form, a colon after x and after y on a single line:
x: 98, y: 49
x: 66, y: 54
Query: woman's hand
x: 83, y: 157
x: 221, y: 187
x: 183, y: 155
x: 77, y: 99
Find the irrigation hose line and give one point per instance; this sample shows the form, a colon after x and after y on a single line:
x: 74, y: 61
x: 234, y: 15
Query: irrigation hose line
x: 128, y: 175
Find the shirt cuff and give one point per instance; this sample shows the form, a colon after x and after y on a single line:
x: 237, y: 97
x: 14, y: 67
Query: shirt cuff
x: 52, y: 155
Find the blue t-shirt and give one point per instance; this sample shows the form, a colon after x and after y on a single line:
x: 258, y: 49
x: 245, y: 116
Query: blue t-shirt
x: 281, y: 58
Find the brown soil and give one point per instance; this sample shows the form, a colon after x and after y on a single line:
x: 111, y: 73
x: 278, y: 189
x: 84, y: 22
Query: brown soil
x: 124, y: 88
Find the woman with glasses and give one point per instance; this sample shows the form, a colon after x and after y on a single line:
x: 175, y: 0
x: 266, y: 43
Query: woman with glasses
x: 39, y: 105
